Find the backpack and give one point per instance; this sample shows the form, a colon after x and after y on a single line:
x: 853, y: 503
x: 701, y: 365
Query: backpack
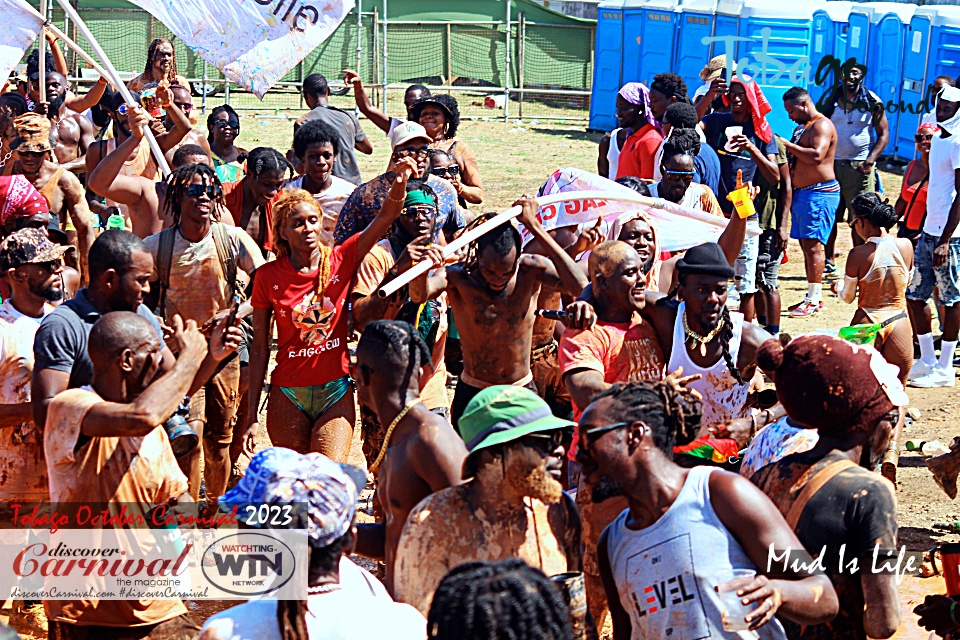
x: 225, y: 252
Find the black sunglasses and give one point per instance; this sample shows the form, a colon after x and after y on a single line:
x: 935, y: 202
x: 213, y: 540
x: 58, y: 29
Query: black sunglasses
x: 212, y: 191
x: 226, y: 124
x: 547, y: 442
x: 406, y: 153
x: 594, y: 434
x: 50, y: 265
x: 923, y: 138
x: 452, y: 171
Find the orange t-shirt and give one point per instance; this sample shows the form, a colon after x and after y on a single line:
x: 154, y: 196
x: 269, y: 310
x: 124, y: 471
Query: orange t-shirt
x: 233, y: 198
x: 639, y: 153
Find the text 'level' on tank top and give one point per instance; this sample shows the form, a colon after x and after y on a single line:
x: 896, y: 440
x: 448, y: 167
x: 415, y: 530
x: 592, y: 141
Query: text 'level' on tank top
x: 723, y: 397
x: 666, y: 573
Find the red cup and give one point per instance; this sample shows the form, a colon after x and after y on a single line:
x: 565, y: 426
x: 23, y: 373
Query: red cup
x: 950, y: 558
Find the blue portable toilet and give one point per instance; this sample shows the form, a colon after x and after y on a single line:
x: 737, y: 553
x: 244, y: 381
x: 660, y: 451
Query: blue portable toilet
x: 696, y: 23
x: 858, y: 33
x: 788, y: 29
x: 633, y: 20
x: 913, y: 90
x: 660, y: 18
x: 888, y: 35
x: 944, y: 40
x: 608, y: 59
x: 830, y: 27
x: 726, y: 23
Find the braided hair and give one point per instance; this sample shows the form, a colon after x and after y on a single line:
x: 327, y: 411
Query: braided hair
x: 264, y: 159
x: 177, y: 185
x: 397, y: 348
x: 877, y: 212
x: 292, y: 614
x: 671, y: 412
x: 152, y: 55
x: 282, y: 209
x: 505, y: 600
x: 725, y: 335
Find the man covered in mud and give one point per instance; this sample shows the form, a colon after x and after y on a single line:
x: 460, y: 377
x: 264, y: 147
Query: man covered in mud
x: 512, y: 505
x: 494, y: 296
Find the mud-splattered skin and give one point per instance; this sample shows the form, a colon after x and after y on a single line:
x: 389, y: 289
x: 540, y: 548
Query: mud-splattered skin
x: 486, y: 519
x: 496, y: 328
x: 857, y: 508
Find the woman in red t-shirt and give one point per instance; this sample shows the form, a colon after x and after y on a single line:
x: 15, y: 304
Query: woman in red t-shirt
x: 311, y: 400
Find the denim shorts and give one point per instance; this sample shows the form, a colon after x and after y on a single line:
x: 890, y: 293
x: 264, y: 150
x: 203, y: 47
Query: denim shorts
x: 745, y: 268
x: 926, y: 277
x: 767, y: 274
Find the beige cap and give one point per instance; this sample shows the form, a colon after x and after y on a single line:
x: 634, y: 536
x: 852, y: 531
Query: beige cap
x: 407, y: 131
x: 715, y: 67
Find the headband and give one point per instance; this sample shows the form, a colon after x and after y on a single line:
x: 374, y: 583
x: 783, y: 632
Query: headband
x: 418, y: 197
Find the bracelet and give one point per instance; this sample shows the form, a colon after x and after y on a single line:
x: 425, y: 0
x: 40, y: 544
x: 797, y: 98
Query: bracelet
x: 400, y: 200
x: 953, y: 613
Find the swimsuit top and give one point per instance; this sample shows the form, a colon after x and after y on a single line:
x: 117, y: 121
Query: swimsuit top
x: 913, y: 217
x: 885, y: 285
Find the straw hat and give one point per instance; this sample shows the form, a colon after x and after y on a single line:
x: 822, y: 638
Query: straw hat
x: 715, y: 68
x: 33, y: 133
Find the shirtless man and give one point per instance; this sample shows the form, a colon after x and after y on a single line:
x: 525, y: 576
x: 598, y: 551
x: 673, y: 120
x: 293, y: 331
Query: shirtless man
x: 423, y: 453
x: 512, y: 504
x: 61, y: 189
x: 180, y: 96
x: 494, y: 296
x: 161, y: 67
x: 73, y: 133
x: 12, y: 106
x: 816, y: 192
x: 139, y: 160
x: 143, y: 197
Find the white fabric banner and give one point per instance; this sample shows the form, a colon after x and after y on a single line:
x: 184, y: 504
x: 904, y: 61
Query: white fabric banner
x: 20, y: 28
x: 253, y: 42
x: 678, y: 228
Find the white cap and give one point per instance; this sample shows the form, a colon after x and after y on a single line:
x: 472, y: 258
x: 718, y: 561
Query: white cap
x: 407, y: 131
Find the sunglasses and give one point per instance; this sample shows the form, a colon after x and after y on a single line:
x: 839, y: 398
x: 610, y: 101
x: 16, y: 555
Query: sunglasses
x: 50, y: 265
x: 407, y: 153
x: 212, y: 191
x: 546, y: 442
x: 923, y: 138
x: 226, y: 124
x: 594, y: 434
x: 186, y: 107
x: 32, y: 154
x: 417, y: 211
x: 453, y: 171
x: 677, y: 174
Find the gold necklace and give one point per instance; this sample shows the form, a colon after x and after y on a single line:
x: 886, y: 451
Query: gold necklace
x: 386, y: 438
x: 693, y: 337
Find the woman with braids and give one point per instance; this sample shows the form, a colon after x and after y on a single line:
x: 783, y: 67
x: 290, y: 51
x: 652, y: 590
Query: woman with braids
x: 877, y: 276
x: 685, y: 531
x: 343, y: 601
x: 505, y: 600
x: 250, y: 200
x: 310, y: 404
x: 161, y: 67
x: 440, y: 116
x: 223, y: 128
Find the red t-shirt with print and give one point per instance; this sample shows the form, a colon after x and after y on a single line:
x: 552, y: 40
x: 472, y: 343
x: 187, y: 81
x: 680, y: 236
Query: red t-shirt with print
x: 311, y: 334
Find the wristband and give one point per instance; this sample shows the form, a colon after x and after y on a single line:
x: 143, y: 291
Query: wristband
x: 953, y: 613
x: 101, y: 80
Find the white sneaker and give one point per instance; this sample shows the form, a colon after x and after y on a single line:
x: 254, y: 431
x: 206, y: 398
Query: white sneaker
x: 936, y: 377
x: 919, y: 369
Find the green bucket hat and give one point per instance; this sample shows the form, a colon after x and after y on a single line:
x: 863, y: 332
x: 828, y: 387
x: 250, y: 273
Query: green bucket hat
x: 502, y: 414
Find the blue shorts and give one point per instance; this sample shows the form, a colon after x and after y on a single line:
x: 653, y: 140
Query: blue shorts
x: 926, y: 277
x: 814, y: 210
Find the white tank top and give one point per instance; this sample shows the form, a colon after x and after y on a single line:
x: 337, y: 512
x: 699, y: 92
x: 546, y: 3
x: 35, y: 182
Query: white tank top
x: 723, y: 397
x: 665, y: 574
x: 613, y: 154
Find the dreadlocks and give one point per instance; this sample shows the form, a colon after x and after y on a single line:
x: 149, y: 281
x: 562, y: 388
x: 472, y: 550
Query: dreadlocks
x: 501, y: 239
x: 501, y: 600
x: 725, y: 335
x: 671, y: 412
x: 292, y: 614
x: 282, y: 209
x: 177, y: 185
x: 152, y: 56
x: 264, y: 159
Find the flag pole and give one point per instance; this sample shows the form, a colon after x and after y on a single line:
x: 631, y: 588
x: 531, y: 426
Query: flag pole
x: 42, y: 48
x: 66, y: 40
x: 117, y: 82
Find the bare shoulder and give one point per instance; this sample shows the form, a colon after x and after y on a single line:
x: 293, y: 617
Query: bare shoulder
x: 754, y: 335
x: 533, y: 262
x: 70, y: 184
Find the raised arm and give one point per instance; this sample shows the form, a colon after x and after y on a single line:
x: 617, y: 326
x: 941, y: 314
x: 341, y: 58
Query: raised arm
x: 79, y: 214
x: 377, y: 117
x: 105, y: 180
x: 757, y: 524
x: 561, y: 272
x: 429, y: 285
x: 159, y: 400
x: 181, y: 124
x: 90, y: 99
x: 389, y: 211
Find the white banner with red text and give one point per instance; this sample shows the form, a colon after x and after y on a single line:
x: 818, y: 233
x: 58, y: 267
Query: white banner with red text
x: 20, y: 28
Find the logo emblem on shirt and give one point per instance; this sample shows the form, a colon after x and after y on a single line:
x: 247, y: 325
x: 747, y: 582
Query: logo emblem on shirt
x: 314, y: 318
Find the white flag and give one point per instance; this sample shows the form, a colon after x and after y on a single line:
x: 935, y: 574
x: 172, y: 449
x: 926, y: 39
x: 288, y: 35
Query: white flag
x: 21, y: 26
x: 253, y: 42
x: 678, y: 228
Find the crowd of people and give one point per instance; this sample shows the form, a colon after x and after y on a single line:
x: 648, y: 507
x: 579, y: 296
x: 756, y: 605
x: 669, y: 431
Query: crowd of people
x: 584, y: 455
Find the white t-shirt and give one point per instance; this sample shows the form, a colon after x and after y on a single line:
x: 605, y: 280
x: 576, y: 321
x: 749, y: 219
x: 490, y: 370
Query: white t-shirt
x: 944, y: 161
x: 352, y: 613
x: 330, y: 201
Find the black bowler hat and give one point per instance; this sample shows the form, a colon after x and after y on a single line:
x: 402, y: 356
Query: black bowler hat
x: 706, y: 259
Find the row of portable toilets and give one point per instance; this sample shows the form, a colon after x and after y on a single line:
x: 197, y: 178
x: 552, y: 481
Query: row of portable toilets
x: 781, y: 43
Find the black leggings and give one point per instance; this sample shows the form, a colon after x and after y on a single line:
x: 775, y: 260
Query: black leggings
x: 464, y: 394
